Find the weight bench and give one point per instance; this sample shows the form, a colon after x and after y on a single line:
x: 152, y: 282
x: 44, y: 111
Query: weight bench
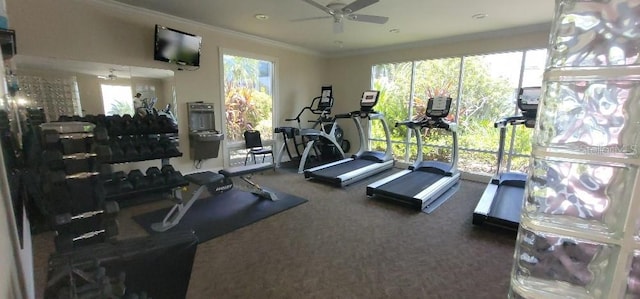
x: 206, y: 178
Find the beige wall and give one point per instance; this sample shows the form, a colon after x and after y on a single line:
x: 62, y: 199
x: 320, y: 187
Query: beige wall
x: 351, y: 75
x: 99, y: 32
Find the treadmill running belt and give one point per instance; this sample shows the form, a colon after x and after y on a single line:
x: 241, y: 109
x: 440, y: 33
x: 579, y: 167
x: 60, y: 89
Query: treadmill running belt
x: 411, y: 183
x: 340, y: 169
x: 507, y: 203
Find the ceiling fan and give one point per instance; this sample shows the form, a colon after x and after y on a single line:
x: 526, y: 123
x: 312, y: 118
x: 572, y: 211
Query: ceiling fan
x: 111, y: 75
x: 340, y: 11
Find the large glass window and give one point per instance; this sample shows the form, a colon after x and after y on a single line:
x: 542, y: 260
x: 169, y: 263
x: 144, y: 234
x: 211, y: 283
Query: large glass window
x: 487, y: 92
x: 248, y: 100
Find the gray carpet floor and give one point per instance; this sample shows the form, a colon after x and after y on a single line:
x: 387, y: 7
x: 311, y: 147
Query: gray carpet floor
x: 342, y: 245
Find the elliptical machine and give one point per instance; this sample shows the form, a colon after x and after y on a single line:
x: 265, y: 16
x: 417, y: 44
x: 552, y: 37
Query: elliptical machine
x: 501, y: 202
x: 325, y: 137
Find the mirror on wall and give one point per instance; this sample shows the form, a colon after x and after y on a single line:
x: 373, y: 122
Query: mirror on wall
x: 68, y: 87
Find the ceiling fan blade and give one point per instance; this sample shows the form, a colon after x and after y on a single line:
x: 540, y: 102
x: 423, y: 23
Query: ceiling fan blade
x: 338, y: 27
x: 312, y: 18
x: 368, y: 18
x: 320, y: 6
x: 357, y: 5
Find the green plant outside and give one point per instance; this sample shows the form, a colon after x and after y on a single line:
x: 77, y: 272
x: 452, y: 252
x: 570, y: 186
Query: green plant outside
x: 248, y: 104
x: 484, y: 100
x: 121, y: 107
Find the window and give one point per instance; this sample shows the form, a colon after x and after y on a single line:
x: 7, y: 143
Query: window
x: 248, y: 102
x: 117, y: 99
x: 483, y: 89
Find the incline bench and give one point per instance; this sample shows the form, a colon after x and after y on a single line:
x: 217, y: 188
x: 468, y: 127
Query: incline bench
x: 206, y: 178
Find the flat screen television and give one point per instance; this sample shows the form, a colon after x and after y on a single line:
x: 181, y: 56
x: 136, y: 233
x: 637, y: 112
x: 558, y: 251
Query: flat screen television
x: 177, y: 47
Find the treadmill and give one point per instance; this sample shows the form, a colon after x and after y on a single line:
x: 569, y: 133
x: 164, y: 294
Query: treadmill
x: 425, y: 185
x: 364, y: 163
x: 501, y: 202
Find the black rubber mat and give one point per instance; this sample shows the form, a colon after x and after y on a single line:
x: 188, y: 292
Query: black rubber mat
x: 215, y: 216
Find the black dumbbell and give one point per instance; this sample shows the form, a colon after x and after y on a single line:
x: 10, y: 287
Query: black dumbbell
x: 58, y: 177
x: 166, y: 125
x: 142, y: 127
x: 172, y: 176
x: 129, y: 150
x: 115, y: 125
x: 53, y: 159
x: 66, y: 242
x: 100, y: 134
x: 50, y: 137
x: 157, y: 150
x: 103, y: 153
x: 110, y: 210
x: 155, y: 177
x: 137, y: 179
x: 142, y: 145
x: 128, y: 125
x: 117, y: 154
x: 101, y: 119
x: 119, y: 180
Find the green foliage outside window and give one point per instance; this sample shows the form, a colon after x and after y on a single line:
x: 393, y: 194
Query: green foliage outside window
x: 485, y: 99
x: 248, y: 102
x: 121, y: 107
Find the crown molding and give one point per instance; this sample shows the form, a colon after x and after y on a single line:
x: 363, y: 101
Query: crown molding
x: 509, y: 32
x: 152, y: 13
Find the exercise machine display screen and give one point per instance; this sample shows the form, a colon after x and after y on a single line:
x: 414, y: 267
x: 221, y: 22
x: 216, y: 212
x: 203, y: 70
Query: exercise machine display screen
x: 529, y: 98
x: 369, y: 98
x: 438, y: 107
x: 326, y: 94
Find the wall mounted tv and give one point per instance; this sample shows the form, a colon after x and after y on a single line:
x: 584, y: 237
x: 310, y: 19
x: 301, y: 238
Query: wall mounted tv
x: 177, y: 47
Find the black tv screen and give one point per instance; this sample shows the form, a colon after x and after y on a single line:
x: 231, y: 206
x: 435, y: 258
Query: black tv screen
x: 178, y: 47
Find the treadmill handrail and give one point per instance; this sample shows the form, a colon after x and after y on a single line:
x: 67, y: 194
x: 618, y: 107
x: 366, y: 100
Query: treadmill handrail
x: 512, y: 120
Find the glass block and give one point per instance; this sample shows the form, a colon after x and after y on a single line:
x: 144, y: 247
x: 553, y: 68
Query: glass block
x: 560, y: 266
x: 595, y: 33
x: 579, y: 195
x: 633, y: 280
x: 590, y: 118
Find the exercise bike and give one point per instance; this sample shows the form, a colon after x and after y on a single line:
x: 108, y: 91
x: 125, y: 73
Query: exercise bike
x: 324, y: 138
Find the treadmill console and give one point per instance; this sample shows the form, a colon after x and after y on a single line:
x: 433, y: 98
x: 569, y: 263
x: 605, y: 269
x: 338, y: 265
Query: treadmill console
x: 326, y: 98
x: 369, y: 99
x: 438, y: 107
x: 528, y: 100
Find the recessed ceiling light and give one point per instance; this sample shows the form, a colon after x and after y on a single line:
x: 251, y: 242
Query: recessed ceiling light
x: 479, y: 16
x: 394, y: 30
x: 261, y: 17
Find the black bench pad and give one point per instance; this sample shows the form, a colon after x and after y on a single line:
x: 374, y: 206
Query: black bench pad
x: 246, y: 169
x: 204, y: 178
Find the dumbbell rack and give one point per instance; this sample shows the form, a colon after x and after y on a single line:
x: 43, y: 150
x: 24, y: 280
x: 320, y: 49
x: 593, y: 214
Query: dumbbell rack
x: 71, y: 161
x: 136, y: 139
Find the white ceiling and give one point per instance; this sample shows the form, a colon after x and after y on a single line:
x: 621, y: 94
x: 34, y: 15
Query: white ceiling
x: 416, y: 20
